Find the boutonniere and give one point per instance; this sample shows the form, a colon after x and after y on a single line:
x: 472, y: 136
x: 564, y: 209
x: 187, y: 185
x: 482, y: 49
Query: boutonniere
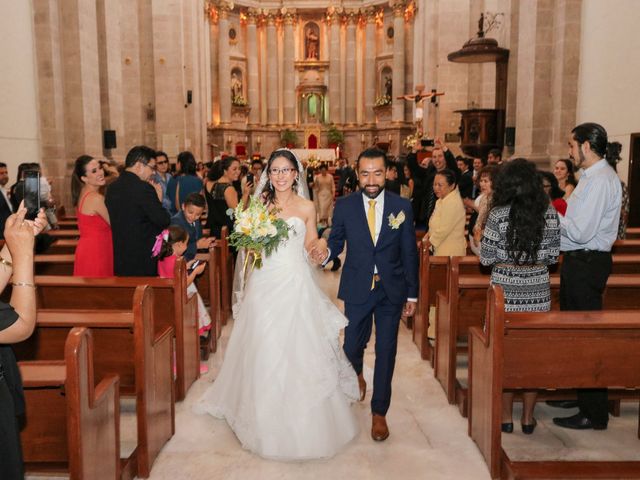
x: 396, y: 220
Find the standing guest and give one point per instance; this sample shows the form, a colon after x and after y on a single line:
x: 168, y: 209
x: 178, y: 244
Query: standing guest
x: 309, y: 178
x: 162, y: 177
x: 446, y: 226
x: 348, y: 181
x: 556, y: 194
x: 17, y: 321
x: 392, y: 184
x: 187, y: 182
x: 221, y: 196
x: 521, y: 238
x: 6, y: 208
x: 16, y: 192
x: 613, y: 157
x: 589, y: 228
x: 201, y: 171
x: 111, y: 172
x: 325, y: 189
x: 94, y: 253
x: 406, y: 188
x: 189, y: 219
x: 565, y: 174
x: 478, y: 164
x: 494, y: 157
x: 465, y: 184
x: 480, y: 207
x: 253, y: 176
x: 136, y: 213
x: 424, y: 174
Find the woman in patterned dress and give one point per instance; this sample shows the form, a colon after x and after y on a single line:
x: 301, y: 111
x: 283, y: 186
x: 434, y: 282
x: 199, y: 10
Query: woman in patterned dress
x: 521, y: 238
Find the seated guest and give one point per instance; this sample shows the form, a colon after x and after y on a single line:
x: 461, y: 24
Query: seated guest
x: 17, y: 321
x: 189, y: 219
x: 182, y: 185
x: 521, y: 238
x: 406, y: 187
x: 391, y: 183
x: 170, y: 245
x: 136, y: 214
x: 446, y: 226
x: 94, y: 253
x: 556, y: 194
x: 221, y: 195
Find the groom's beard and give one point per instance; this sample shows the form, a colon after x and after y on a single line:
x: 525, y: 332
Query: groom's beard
x: 372, y: 193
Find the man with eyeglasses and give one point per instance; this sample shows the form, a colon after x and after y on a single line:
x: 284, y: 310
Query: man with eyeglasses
x: 162, y: 177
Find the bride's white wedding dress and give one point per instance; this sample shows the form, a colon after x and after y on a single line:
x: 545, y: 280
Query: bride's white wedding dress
x: 286, y: 387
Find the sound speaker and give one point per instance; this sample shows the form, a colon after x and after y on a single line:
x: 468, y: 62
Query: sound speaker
x: 109, y: 139
x: 510, y: 136
x: 189, y: 96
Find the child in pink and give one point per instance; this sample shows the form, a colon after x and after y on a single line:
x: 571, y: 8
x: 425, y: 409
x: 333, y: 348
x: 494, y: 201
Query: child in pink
x: 171, y: 244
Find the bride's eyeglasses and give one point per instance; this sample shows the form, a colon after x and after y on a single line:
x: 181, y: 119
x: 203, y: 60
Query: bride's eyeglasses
x: 277, y: 171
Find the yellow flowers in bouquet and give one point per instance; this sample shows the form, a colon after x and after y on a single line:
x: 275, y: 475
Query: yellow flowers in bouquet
x: 258, y: 230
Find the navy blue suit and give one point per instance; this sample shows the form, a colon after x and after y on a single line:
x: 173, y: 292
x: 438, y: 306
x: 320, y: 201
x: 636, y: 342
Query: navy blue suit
x: 396, y: 258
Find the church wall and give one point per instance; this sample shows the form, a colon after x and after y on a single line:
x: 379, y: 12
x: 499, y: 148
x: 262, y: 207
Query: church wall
x: 19, y: 129
x: 609, y: 70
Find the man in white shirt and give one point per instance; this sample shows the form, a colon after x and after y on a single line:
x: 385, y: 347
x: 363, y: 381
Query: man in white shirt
x: 588, y: 230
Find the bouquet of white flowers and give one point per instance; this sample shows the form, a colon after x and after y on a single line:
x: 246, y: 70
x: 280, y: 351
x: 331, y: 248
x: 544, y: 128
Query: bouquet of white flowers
x: 258, y: 230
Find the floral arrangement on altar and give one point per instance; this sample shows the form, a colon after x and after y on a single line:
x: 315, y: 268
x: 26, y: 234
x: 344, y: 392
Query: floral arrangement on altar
x: 412, y: 140
x: 313, y: 162
x: 258, y: 230
x: 383, y: 100
x: 239, y: 101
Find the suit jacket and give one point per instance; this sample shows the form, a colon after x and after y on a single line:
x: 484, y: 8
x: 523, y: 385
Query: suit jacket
x: 395, y: 253
x: 137, y: 216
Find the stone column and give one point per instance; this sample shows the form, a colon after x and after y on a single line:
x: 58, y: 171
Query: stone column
x: 224, y: 72
x: 272, y: 70
x: 397, y: 110
x: 350, y: 77
x: 289, y: 96
x: 370, y: 79
x: 253, y: 87
x: 334, y: 66
x: 409, y: 114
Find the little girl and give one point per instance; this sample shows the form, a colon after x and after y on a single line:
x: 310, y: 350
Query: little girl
x: 170, y: 244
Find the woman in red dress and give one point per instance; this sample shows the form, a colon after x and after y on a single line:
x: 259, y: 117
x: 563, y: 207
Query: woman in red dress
x: 94, y: 253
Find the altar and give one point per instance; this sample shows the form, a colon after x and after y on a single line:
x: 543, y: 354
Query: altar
x: 325, y: 155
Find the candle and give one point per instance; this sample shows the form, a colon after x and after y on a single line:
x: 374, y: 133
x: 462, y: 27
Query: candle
x: 389, y: 138
x: 362, y: 137
x: 258, y: 139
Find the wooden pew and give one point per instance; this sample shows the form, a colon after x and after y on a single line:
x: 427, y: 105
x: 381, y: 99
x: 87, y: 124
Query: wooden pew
x: 553, y: 350
x: 633, y: 233
x: 72, y: 426
x: 124, y: 344
x: 463, y: 305
x: 172, y: 305
x: 62, y: 246
x: 64, y: 233
x: 67, y: 224
x: 626, y: 246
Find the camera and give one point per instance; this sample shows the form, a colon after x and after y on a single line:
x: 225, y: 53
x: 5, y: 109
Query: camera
x: 427, y: 142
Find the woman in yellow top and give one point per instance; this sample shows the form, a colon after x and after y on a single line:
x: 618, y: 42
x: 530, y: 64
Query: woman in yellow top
x: 446, y: 226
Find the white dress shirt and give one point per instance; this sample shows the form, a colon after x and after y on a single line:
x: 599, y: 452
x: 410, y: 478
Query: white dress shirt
x: 593, y: 210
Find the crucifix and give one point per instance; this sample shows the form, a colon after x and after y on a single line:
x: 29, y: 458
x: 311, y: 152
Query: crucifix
x: 418, y: 98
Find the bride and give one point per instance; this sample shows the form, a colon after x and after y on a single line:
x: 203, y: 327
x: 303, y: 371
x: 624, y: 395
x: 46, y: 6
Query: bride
x: 286, y: 387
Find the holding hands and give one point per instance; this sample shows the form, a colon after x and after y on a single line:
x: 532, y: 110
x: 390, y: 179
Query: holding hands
x: 318, y: 251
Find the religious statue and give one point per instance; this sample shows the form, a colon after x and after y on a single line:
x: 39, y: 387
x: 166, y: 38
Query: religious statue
x: 388, y: 87
x: 312, y: 43
x: 236, y: 87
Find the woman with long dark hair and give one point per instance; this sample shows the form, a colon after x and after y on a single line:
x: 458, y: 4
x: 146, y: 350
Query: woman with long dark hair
x: 185, y: 183
x: 521, y: 238
x: 564, y: 171
x: 94, y: 253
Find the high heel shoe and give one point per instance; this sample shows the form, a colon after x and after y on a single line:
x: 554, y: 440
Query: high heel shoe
x: 528, y: 429
x: 507, y: 427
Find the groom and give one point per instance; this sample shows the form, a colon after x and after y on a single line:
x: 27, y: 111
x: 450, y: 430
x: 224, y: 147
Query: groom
x: 379, y: 280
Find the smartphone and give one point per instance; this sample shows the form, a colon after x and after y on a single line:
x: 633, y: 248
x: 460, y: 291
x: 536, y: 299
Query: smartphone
x: 194, y: 265
x: 427, y: 142
x: 32, y: 193
x: 249, y: 178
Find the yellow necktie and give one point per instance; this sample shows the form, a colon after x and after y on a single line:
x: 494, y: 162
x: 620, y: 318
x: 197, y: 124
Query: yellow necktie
x: 371, y: 220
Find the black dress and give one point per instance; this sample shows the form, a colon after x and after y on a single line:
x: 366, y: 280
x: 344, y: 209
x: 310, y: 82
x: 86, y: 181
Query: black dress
x: 217, y: 209
x: 11, y: 404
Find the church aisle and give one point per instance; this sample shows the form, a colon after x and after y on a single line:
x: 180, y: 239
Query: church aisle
x: 428, y: 436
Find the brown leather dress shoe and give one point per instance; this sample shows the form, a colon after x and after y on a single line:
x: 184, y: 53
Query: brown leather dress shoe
x: 363, y: 386
x: 379, y: 429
